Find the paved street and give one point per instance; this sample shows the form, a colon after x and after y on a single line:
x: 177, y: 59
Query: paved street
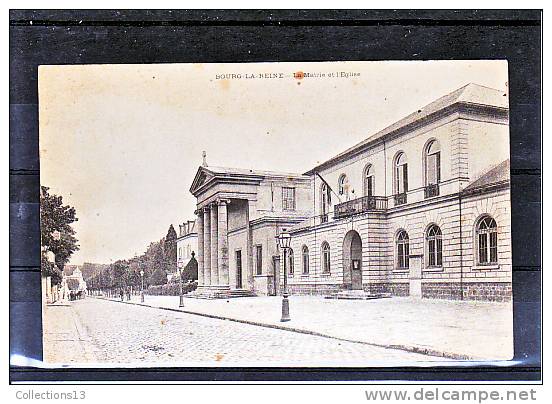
x: 106, y: 331
x: 478, y: 330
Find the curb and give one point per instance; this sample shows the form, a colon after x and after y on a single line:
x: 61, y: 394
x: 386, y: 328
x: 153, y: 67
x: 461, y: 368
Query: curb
x: 407, y: 348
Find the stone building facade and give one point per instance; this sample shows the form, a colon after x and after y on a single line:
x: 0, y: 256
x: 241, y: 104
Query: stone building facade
x: 239, y: 213
x: 421, y: 208
x: 186, y: 243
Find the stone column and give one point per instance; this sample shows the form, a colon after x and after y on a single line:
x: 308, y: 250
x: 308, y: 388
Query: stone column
x: 214, y: 245
x: 207, y: 246
x: 223, y: 244
x: 199, y: 228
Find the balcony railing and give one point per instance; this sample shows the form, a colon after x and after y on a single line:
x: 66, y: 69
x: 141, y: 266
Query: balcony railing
x: 400, y: 199
x: 360, y: 205
x: 431, y: 190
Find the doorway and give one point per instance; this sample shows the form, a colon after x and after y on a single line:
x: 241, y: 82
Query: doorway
x: 352, y: 260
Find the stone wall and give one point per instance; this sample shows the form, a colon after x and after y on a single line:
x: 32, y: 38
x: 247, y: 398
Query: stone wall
x: 313, y: 289
x: 396, y: 289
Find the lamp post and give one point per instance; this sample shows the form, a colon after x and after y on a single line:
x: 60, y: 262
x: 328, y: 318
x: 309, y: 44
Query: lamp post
x: 181, y: 304
x: 142, y: 288
x: 284, y: 239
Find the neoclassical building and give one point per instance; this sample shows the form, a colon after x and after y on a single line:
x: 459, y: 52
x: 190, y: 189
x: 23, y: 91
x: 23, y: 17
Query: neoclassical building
x: 421, y: 208
x: 239, y: 213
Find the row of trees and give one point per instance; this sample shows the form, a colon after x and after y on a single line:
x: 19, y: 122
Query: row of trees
x: 58, y: 243
x: 158, y: 260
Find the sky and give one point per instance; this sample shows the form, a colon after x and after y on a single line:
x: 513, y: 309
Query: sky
x: 122, y: 143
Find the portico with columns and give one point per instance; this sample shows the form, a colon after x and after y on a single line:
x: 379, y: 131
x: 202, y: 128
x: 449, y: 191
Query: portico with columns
x: 212, y: 223
x: 239, y: 213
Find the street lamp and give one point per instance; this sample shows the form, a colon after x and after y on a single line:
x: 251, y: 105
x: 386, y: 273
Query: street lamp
x: 181, y: 304
x: 142, y: 288
x: 284, y: 240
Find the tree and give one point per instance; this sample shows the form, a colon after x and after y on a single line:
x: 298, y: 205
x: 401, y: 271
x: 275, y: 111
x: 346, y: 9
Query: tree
x: 120, y: 274
x: 158, y: 277
x: 155, y: 260
x: 56, y: 218
x: 169, y: 249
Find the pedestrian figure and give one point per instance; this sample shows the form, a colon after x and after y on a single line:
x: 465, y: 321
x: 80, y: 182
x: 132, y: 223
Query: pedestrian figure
x: 128, y: 293
x: 122, y: 294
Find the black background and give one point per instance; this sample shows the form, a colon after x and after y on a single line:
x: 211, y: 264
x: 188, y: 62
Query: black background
x: 163, y: 36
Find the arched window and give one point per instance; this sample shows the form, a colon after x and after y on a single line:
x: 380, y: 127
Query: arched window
x: 325, y: 258
x: 401, y: 174
x: 343, y: 185
x: 305, y: 256
x: 433, y: 163
x: 402, y: 250
x: 325, y: 202
x: 290, y: 261
x: 369, y: 180
x: 434, y: 246
x: 487, y: 241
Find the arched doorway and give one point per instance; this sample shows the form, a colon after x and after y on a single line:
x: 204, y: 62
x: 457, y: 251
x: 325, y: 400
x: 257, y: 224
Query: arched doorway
x: 352, y: 260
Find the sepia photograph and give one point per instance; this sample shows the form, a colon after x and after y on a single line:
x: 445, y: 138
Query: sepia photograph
x: 284, y: 214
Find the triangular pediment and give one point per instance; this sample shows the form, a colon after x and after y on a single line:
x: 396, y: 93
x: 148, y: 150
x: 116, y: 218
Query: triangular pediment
x: 202, y: 177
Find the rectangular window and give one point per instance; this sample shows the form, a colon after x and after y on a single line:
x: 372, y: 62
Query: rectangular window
x: 290, y: 262
x: 439, y: 252
x: 400, y: 254
x: 483, y: 248
x: 406, y: 255
x: 431, y: 169
x: 326, y: 262
x: 431, y: 246
x: 493, y: 247
x: 400, y: 181
x: 369, y: 186
x: 305, y: 263
x: 259, y: 259
x: 288, y: 198
x: 405, y: 178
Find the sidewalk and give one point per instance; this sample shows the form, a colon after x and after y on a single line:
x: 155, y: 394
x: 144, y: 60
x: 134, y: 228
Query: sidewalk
x: 64, y: 338
x: 454, y: 329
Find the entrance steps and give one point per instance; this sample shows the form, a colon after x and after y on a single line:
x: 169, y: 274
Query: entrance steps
x: 218, y: 293
x: 357, y: 295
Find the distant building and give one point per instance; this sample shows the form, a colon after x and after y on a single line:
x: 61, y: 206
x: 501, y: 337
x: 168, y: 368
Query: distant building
x: 186, y: 243
x: 75, y: 281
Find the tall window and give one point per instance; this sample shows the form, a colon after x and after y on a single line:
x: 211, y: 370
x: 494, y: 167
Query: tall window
x: 325, y: 258
x: 487, y: 241
x: 259, y: 259
x: 433, y: 163
x: 402, y: 250
x: 369, y: 181
x: 290, y: 261
x: 343, y: 185
x: 305, y: 255
x: 434, y: 246
x: 288, y: 198
x: 325, y: 202
x: 401, y: 174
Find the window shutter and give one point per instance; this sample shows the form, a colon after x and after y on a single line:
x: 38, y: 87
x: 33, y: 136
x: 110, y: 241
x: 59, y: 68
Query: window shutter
x: 405, y: 177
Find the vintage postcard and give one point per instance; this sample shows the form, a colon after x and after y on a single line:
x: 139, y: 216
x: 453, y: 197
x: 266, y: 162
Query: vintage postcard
x: 276, y: 214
